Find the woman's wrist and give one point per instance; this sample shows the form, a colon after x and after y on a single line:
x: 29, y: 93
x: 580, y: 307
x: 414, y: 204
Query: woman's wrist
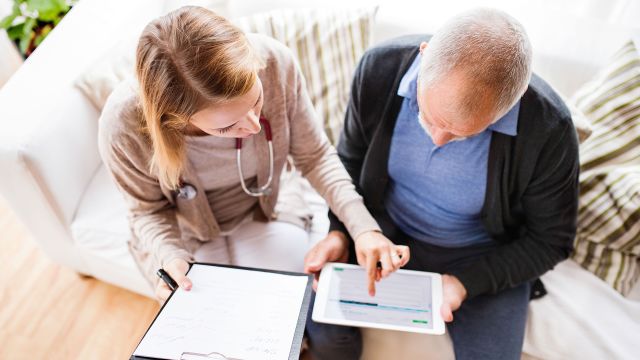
x: 357, y: 219
x: 340, y: 236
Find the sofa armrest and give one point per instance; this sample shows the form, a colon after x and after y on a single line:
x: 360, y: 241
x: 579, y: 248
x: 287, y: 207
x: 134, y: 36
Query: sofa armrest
x: 48, y: 141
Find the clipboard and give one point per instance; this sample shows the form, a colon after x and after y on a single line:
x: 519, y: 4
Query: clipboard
x: 296, y: 343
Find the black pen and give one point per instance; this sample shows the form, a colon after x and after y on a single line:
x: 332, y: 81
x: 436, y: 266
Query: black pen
x: 167, y: 279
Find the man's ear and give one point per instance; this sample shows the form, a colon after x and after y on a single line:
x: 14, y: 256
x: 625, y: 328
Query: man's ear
x: 423, y: 45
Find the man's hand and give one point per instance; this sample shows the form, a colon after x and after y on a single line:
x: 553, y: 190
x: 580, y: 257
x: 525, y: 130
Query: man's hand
x: 177, y: 268
x: 373, y: 247
x: 333, y: 248
x: 453, y: 294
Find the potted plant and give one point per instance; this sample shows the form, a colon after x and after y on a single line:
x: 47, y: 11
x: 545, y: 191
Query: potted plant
x: 31, y: 21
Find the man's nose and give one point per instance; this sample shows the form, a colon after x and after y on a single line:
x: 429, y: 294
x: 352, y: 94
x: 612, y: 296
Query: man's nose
x: 440, y: 137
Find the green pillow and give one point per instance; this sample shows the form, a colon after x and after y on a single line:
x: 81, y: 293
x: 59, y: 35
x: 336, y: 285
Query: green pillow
x: 608, y: 239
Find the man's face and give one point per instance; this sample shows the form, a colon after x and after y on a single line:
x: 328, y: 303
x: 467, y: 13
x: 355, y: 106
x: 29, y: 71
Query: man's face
x: 440, y: 112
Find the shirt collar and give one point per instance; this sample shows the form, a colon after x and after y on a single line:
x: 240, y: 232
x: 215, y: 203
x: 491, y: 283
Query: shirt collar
x: 409, y: 83
x: 507, y: 124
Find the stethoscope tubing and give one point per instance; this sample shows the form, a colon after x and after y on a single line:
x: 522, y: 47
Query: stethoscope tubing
x: 265, y: 189
x: 188, y: 191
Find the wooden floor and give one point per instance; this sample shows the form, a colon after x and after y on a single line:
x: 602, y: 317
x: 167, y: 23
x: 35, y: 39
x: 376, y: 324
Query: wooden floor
x: 47, y: 311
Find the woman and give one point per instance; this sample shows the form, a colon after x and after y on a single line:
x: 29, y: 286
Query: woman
x: 169, y: 139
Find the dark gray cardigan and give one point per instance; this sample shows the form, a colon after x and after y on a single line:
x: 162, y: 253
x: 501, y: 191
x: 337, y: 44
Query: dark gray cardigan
x: 531, y: 201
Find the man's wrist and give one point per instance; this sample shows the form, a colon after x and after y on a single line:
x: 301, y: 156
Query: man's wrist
x: 459, y: 286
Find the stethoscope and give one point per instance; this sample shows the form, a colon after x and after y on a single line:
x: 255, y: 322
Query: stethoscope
x: 188, y: 191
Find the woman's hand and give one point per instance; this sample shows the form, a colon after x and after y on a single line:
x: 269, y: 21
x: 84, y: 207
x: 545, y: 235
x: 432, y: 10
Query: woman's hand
x: 176, y: 268
x: 453, y: 294
x: 373, y: 247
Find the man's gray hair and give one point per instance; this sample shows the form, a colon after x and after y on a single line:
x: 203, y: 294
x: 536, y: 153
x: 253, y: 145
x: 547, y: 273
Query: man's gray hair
x: 493, y: 51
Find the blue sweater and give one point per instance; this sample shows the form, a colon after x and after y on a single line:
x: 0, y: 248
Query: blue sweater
x: 435, y: 193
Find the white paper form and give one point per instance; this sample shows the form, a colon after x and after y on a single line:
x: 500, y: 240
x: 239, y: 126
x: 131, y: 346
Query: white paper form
x: 238, y: 313
x: 401, y: 299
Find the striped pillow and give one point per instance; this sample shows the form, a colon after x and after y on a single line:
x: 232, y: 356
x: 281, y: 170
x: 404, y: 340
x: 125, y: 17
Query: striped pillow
x: 608, y: 239
x: 327, y: 45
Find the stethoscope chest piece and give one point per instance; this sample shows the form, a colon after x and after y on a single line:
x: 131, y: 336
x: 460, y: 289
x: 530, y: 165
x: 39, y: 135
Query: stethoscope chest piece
x: 187, y: 192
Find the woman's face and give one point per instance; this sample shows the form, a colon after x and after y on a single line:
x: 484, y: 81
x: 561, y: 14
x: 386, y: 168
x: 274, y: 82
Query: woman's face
x: 238, y: 117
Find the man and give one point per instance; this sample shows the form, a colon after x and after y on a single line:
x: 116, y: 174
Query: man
x: 465, y: 157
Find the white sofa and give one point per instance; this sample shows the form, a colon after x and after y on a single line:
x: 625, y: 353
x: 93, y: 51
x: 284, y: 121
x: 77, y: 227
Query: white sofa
x: 53, y: 179
x: 10, y: 58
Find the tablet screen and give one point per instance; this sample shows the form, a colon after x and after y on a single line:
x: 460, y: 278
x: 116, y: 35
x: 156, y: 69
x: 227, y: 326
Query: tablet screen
x: 402, y: 299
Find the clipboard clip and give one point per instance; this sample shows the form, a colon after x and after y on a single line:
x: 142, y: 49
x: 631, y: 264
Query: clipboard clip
x: 187, y: 355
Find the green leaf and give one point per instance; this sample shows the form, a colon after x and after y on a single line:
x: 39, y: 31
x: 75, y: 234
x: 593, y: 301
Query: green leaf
x: 62, y: 4
x: 16, y: 6
x: 23, y: 45
x: 27, y: 35
x: 29, y: 24
x: 7, y: 21
x: 48, y: 10
x: 43, y: 34
x: 41, y: 5
x: 15, y: 32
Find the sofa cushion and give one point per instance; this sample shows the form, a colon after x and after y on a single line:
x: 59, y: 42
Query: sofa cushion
x: 100, y: 79
x: 581, y: 317
x: 608, y: 240
x: 100, y: 225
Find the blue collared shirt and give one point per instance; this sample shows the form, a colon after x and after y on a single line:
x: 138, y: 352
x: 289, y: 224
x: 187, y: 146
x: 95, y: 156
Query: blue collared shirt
x: 436, y: 194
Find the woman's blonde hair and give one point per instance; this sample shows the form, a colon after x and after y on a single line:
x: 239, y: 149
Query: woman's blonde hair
x: 186, y: 61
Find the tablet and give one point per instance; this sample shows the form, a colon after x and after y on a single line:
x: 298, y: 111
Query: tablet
x: 405, y: 301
